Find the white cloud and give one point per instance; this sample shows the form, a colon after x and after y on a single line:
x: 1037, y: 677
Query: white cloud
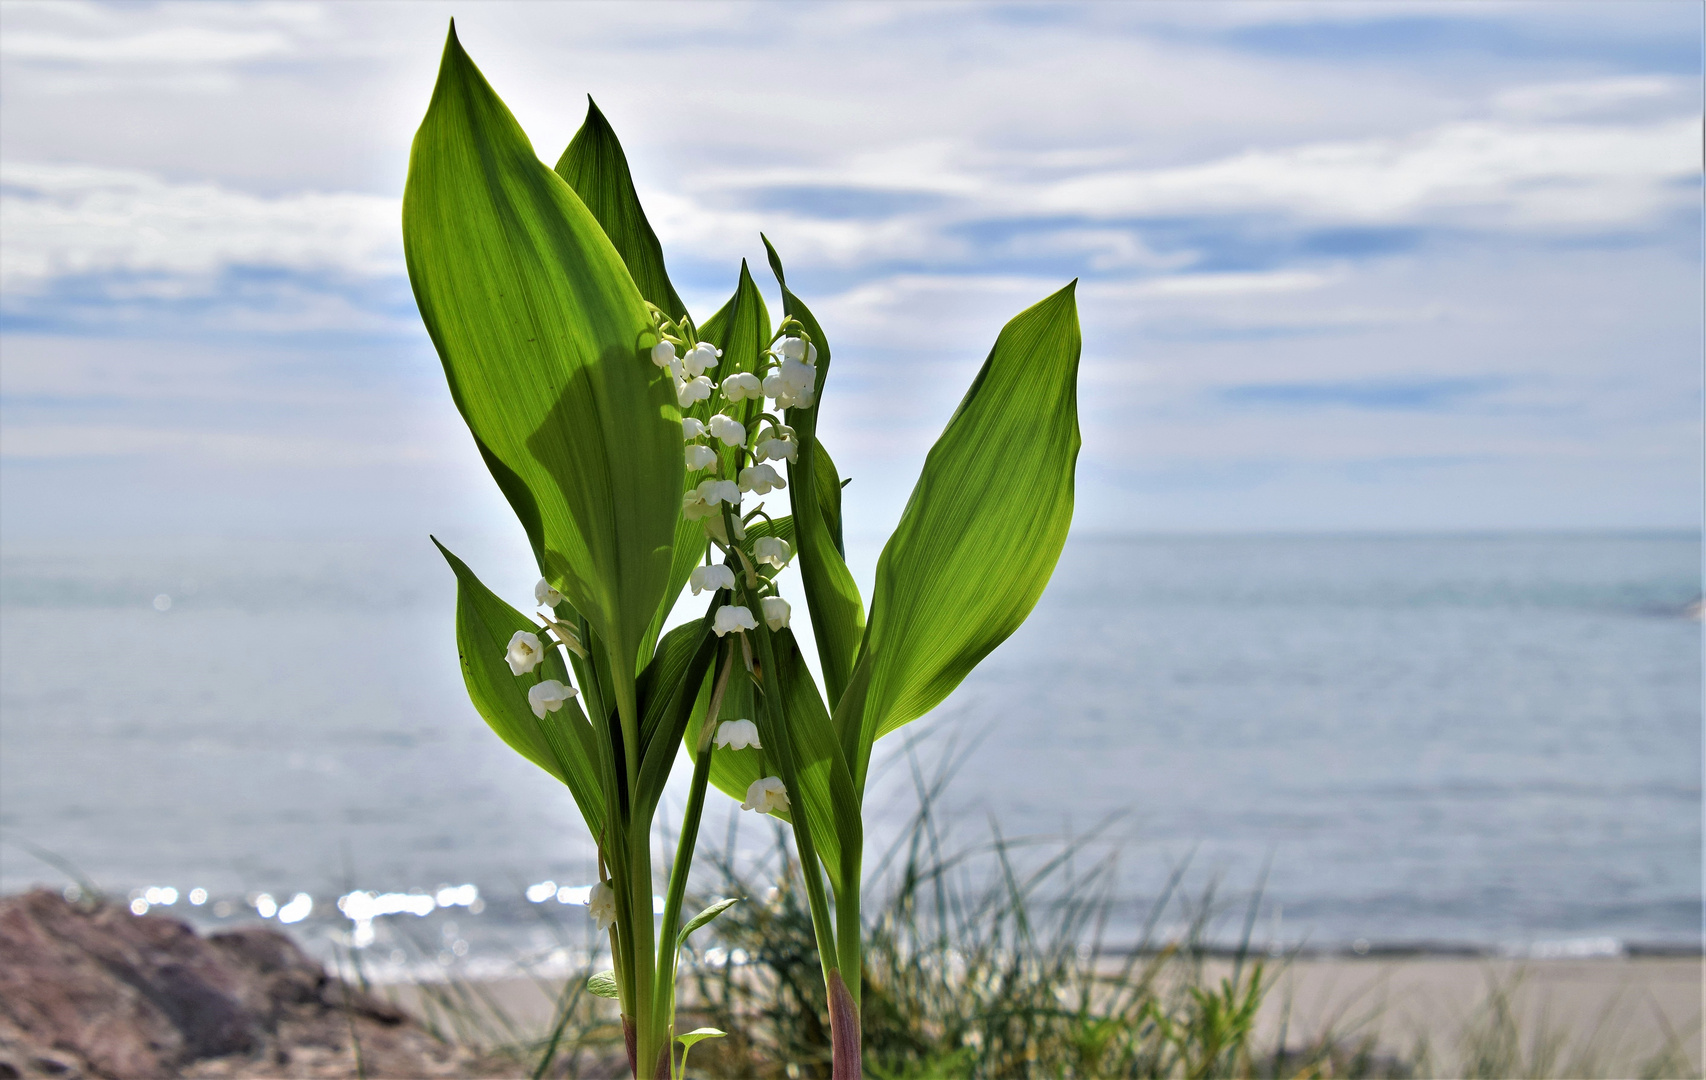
x: 61, y: 220
x: 1495, y: 174
x: 72, y: 441
x: 181, y: 44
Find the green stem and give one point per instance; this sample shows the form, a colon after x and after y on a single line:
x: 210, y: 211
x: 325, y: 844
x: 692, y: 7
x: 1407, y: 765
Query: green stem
x: 849, y: 935
x: 641, y: 946
x: 684, y: 846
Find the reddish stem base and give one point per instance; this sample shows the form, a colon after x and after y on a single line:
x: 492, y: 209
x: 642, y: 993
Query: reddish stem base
x: 843, y: 1031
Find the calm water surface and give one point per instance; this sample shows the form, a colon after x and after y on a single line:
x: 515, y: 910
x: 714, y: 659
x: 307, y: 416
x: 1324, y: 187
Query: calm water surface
x: 1481, y: 740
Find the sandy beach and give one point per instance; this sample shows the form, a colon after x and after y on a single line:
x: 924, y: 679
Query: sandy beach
x: 1622, y: 1011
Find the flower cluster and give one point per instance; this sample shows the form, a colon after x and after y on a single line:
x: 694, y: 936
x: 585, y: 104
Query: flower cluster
x: 691, y: 383
x: 793, y: 381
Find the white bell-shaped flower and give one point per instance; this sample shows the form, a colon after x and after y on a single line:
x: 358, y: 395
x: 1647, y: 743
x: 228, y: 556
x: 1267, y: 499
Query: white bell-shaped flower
x: 699, y: 358
x: 776, y: 611
x: 711, y: 578
x: 601, y: 905
x: 548, y: 696
x: 695, y: 508
x: 692, y: 391
x: 791, y: 348
x: 714, y: 529
x: 771, y: 549
x: 733, y: 618
x: 691, y: 429
x: 702, y: 501
x: 766, y: 795
x: 700, y: 457
x: 731, y: 431
x: 523, y: 652
x: 737, y: 735
x: 743, y: 386
x: 801, y: 374
x: 793, y: 384
x: 545, y: 595
x: 774, y: 449
x: 663, y: 354
x: 759, y: 479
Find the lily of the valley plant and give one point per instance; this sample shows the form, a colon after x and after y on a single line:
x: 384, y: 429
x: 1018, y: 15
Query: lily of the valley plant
x: 632, y: 443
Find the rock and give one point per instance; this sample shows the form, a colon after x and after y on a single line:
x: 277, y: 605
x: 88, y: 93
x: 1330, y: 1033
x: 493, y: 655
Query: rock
x: 94, y: 991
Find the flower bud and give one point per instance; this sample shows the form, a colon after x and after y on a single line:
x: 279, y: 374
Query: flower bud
x: 711, y: 578
x: 731, y: 431
x: 791, y: 348
x: 733, y: 618
x: 545, y: 595
x: 601, y: 905
x: 700, y: 457
x: 766, y: 795
x: 663, y: 354
x: 772, y: 550
x: 548, y: 696
x: 524, y: 652
x: 737, y: 735
x: 776, y: 611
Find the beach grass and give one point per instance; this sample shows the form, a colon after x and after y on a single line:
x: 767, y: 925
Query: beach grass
x: 990, y: 959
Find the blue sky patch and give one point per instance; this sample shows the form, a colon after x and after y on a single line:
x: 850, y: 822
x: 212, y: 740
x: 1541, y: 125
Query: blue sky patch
x: 1420, y: 395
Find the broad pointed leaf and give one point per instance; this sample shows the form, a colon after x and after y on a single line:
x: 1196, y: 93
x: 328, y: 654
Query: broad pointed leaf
x: 563, y: 742
x: 544, y: 337
x: 595, y: 166
x: 828, y: 794
x: 832, y: 596
x: 670, y: 688
x: 983, y: 528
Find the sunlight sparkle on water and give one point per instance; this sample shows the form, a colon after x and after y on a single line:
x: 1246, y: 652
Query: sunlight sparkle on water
x: 300, y: 907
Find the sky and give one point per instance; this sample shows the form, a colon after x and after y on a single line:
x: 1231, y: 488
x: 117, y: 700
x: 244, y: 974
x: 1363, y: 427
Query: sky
x: 1343, y: 267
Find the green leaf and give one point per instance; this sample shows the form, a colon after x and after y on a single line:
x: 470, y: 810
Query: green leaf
x: 826, y: 782
x: 832, y: 596
x: 704, y: 917
x: 544, y: 340
x: 983, y: 528
x: 563, y: 743
x: 699, y: 1035
x: 669, y: 689
x: 603, y: 985
x: 827, y: 791
x: 732, y: 771
x: 595, y: 166
x: 829, y: 486
x: 741, y: 329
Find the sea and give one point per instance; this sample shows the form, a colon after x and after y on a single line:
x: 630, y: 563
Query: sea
x: 1485, y: 744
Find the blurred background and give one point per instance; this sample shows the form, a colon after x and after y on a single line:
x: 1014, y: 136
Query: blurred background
x: 1385, y: 574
